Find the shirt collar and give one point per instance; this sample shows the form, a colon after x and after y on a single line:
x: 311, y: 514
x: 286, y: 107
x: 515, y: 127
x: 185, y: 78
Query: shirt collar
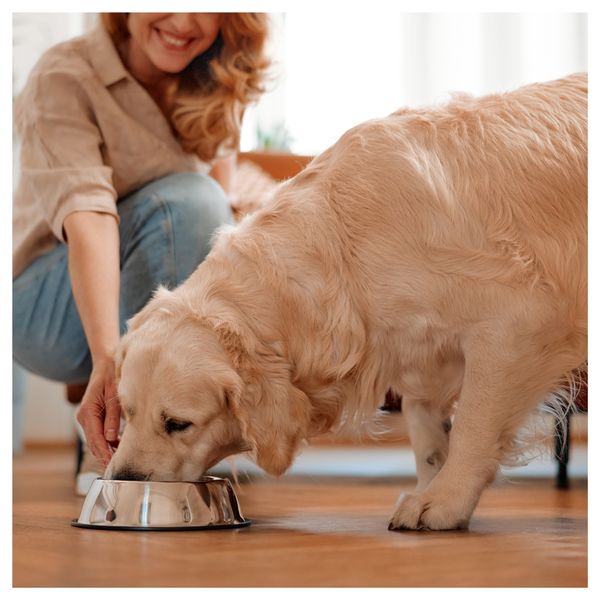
x: 104, y: 57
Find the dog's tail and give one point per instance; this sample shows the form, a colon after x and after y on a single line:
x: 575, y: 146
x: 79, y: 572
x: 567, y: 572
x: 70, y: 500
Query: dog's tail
x: 540, y: 434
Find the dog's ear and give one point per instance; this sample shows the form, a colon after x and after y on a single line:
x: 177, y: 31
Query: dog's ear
x: 274, y: 415
x: 231, y: 340
x: 274, y: 423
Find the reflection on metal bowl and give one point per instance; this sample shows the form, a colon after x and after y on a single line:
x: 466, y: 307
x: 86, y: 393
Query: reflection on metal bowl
x: 209, y: 503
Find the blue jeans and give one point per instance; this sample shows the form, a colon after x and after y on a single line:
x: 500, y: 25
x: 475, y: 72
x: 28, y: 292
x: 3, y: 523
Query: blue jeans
x: 165, y: 232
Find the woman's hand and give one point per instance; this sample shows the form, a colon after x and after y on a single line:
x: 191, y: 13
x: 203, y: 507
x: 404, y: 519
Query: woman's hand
x: 100, y: 412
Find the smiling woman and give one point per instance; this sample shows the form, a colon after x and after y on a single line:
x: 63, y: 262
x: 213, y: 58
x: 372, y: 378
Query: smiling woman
x: 202, y: 69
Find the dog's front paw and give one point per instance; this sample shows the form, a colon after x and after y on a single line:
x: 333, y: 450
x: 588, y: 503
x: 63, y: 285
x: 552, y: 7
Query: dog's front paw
x: 426, y: 511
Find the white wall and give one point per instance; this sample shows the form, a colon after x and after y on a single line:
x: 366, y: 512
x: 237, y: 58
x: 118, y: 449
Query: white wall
x: 48, y: 416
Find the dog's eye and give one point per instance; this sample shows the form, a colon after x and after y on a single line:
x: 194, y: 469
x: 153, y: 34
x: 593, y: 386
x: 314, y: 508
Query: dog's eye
x: 171, y: 425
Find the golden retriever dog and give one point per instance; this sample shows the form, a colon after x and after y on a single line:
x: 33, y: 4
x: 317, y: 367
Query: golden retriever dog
x: 439, y: 252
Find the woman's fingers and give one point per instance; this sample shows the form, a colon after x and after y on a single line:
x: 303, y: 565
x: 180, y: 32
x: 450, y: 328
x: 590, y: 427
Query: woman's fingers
x: 112, y: 419
x: 92, y: 423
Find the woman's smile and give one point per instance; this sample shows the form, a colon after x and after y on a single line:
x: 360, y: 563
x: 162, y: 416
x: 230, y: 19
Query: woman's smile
x: 172, y: 41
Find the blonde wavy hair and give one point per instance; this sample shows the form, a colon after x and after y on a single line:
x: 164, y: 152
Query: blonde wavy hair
x: 208, y: 100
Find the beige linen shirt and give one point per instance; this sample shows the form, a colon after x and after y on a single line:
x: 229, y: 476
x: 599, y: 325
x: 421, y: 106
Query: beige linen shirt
x: 89, y: 134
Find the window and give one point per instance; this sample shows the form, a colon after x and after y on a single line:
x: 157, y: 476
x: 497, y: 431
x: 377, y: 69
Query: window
x: 339, y: 68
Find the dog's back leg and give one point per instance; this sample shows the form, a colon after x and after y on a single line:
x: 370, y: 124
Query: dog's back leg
x: 508, y: 370
x: 428, y: 430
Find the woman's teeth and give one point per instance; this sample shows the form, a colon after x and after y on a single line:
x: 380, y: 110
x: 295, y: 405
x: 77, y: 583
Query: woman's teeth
x: 173, y: 41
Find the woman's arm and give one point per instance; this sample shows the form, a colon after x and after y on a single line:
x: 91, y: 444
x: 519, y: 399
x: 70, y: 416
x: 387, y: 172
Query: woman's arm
x: 93, y: 246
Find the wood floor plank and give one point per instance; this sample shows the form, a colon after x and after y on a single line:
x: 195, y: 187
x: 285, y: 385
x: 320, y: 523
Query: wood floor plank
x: 306, y: 532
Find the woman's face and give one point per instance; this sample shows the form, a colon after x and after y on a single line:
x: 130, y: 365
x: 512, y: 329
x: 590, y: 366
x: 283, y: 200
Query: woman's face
x: 168, y: 42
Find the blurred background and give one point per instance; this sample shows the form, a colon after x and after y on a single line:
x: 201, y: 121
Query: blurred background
x: 328, y: 75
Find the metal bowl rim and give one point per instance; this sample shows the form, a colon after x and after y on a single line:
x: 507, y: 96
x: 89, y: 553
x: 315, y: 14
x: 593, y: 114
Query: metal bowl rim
x: 203, y: 479
x: 236, y: 525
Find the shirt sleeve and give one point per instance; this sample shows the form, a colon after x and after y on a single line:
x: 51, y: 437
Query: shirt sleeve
x: 62, y: 166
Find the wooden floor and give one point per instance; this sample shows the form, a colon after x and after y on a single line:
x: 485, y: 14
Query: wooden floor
x: 306, y: 532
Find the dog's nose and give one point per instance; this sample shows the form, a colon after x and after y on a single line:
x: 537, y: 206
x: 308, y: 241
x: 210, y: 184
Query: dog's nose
x: 128, y: 474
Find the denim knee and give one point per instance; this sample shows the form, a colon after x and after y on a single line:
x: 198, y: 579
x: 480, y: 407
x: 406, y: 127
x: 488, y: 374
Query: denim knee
x: 166, y: 232
x: 197, y: 204
x: 196, y: 207
x: 48, y: 337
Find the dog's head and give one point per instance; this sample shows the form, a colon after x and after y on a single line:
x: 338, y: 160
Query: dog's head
x: 195, y: 389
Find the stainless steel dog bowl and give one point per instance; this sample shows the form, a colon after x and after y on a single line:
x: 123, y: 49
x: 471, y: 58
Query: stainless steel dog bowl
x: 209, y: 503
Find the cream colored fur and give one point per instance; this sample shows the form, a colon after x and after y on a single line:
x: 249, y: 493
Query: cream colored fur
x: 440, y: 252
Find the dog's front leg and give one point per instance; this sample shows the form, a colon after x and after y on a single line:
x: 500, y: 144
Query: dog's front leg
x: 428, y: 430
x: 498, y: 391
